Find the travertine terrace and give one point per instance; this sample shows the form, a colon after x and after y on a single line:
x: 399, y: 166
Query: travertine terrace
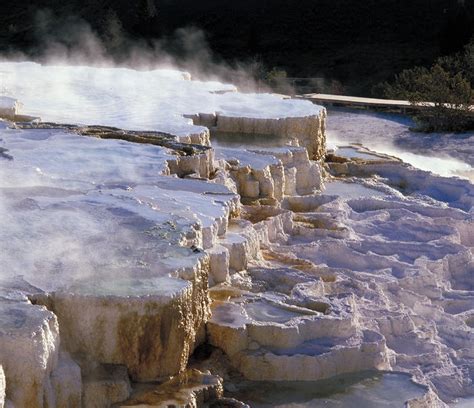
x: 134, y: 233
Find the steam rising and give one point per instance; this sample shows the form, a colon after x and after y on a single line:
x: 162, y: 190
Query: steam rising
x: 136, y: 100
x: 71, y: 40
x: 76, y: 208
x: 73, y: 207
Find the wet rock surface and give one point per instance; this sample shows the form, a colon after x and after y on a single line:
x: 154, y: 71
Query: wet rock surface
x: 158, y: 268
x: 350, y: 391
x: 112, y: 253
x: 191, y: 388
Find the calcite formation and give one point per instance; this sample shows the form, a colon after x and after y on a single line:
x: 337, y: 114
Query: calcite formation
x: 29, y: 343
x: 104, y: 385
x: 132, y: 244
x: 2, y: 388
x: 124, y: 269
x: 122, y: 320
x: 276, y: 341
x: 8, y: 107
x: 307, y: 131
x: 191, y: 388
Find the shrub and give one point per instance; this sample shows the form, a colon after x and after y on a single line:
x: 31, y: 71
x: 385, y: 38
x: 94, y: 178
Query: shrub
x: 442, y: 94
x: 278, y: 82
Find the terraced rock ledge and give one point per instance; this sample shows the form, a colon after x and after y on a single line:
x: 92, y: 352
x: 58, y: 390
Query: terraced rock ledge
x: 185, y: 266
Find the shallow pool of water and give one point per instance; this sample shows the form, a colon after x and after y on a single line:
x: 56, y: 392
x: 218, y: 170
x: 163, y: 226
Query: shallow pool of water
x: 464, y: 403
x: 131, y: 287
x: 364, y: 390
x: 246, y: 140
x: 263, y: 311
x: 351, y: 190
x: 353, y: 153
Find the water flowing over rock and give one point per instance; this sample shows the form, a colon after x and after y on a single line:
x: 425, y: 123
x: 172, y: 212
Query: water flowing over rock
x: 173, y: 251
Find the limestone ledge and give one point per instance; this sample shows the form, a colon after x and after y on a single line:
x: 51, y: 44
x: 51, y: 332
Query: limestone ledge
x: 278, y: 335
x: 293, y: 293
x: 369, y: 352
x: 192, y: 154
x: 146, y: 320
x: 267, y: 175
x: 334, y: 231
x: 115, y: 326
x: 29, y: 343
x: 306, y: 131
x: 9, y: 107
x: 408, y: 180
x: 191, y: 388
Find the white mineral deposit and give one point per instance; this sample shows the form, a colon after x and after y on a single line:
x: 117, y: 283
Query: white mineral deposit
x: 171, y: 242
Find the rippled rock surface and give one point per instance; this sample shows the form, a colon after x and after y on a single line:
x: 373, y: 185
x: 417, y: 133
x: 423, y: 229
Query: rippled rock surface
x: 168, y: 241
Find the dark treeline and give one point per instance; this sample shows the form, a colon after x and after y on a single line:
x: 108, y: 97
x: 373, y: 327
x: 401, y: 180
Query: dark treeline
x: 356, y: 42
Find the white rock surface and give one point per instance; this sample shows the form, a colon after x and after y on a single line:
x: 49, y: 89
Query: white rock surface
x: 29, y: 346
x: 313, y: 276
x: 2, y: 387
x: 149, y: 325
x: 8, y: 107
x: 219, y: 264
x: 119, y: 261
x: 400, y: 240
x: 81, y: 195
x: 271, y: 173
x: 275, y: 341
x: 157, y: 100
x: 306, y: 131
x: 369, y: 353
x: 445, y: 154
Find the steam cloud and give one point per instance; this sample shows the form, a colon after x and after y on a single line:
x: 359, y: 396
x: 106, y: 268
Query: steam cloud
x: 50, y: 229
x: 72, y: 41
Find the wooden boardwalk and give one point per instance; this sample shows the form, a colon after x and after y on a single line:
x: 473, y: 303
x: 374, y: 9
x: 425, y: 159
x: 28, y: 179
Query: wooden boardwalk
x: 358, y: 102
